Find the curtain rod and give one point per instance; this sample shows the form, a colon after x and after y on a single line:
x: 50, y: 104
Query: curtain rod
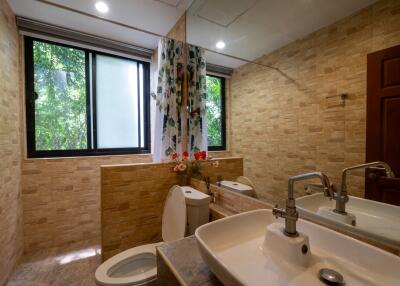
x: 37, y: 28
x: 60, y: 6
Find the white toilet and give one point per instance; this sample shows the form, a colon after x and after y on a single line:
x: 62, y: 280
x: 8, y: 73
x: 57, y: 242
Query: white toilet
x: 238, y: 188
x: 185, y: 209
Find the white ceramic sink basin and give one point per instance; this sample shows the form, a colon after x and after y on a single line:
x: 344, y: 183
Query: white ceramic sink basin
x: 373, y: 220
x: 234, y: 248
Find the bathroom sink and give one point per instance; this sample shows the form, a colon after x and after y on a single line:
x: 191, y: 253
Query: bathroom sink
x: 373, y: 220
x: 238, y: 251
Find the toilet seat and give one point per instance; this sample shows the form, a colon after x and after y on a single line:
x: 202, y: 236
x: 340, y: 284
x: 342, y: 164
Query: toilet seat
x: 174, y: 215
x: 137, y: 266
x: 103, y: 273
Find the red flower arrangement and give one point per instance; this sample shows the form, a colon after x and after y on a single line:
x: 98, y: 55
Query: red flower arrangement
x: 185, y: 166
x: 200, y: 155
x: 174, y: 155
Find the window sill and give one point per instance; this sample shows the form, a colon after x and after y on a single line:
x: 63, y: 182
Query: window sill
x: 217, y: 153
x: 142, y: 155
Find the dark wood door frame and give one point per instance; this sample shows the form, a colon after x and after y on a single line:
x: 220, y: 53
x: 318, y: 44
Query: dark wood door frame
x: 383, y: 123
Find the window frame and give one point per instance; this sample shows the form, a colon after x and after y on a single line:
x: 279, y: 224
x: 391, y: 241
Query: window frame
x: 222, y: 147
x: 91, y: 149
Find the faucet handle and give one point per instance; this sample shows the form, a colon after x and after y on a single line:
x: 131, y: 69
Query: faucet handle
x: 309, y: 188
x: 277, y: 212
x: 388, y: 171
x: 329, y: 191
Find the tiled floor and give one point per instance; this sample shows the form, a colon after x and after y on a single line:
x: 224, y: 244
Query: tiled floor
x: 58, y: 267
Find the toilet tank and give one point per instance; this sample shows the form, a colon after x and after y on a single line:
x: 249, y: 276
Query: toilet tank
x: 238, y: 188
x: 197, y: 208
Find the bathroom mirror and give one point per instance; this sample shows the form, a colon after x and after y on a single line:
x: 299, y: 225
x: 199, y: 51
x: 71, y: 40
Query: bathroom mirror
x: 297, y: 103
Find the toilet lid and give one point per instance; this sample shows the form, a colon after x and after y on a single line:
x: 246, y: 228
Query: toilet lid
x: 174, y: 215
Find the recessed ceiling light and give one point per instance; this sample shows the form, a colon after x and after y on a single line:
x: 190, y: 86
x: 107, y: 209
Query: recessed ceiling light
x: 101, y: 7
x: 220, y: 45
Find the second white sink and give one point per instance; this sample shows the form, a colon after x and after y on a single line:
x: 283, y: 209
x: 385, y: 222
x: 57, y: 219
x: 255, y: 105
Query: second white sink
x: 233, y: 249
x: 373, y: 220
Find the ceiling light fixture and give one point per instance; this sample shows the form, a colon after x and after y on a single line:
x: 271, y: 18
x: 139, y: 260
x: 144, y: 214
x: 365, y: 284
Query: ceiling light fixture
x: 220, y: 45
x: 101, y: 7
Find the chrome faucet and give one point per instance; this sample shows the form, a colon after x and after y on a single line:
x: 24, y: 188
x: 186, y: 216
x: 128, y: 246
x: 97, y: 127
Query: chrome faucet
x: 328, y: 192
x: 290, y: 213
x: 342, y: 197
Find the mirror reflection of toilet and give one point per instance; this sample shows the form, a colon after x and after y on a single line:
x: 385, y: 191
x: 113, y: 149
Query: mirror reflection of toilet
x: 242, y: 185
x: 185, y: 209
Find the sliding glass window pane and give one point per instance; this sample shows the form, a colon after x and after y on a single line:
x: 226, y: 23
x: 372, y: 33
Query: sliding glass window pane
x: 141, y: 82
x: 117, y: 102
x: 91, y: 100
x: 60, y: 104
x: 214, y: 111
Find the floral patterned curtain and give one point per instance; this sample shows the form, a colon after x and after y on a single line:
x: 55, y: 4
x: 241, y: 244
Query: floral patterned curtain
x: 197, y: 94
x: 168, y: 125
x: 173, y: 62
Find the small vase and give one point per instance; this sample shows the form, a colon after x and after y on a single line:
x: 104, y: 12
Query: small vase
x: 184, y: 180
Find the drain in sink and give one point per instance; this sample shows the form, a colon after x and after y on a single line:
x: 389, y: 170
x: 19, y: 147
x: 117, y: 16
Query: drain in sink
x: 330, y: 277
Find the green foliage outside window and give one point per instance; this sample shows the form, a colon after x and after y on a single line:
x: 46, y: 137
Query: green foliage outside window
x: 60, y: 106
x: 214, y: 110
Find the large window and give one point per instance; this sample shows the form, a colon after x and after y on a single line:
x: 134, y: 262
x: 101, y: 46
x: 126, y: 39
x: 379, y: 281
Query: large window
x: 216, y: 113
x: 81, y: 102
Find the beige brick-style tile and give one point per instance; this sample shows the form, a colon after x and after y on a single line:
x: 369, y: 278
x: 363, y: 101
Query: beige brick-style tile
x: 133, y: 197
x: 11, y: 235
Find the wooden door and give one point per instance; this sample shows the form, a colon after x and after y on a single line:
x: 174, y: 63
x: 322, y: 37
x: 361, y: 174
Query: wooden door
x: 383, y: 124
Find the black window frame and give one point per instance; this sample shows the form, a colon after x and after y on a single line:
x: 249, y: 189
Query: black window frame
x: 222, y: 147
x: 91, y: 118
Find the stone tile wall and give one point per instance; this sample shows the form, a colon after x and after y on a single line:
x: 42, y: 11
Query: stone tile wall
x: 282, y: 123
x: 61, y: 196
x: 61, y: 199
x: 11, y: 237
x: 132, y: 200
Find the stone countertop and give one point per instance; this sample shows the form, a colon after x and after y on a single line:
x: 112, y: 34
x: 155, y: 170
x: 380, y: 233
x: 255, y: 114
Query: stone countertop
x: 183, y: 259
x: 221, y: 211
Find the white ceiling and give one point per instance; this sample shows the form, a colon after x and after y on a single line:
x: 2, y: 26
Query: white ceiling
x: 157, y: 16
x: 250, y: 28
